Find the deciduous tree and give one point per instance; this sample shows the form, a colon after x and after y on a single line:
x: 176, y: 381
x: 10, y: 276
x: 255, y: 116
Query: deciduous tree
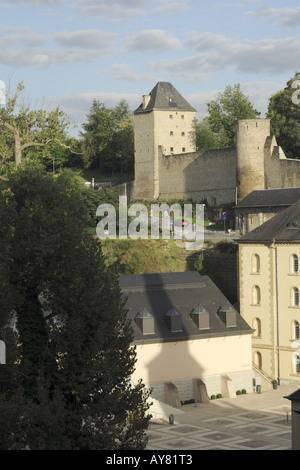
x: 25, y: 131
x: 284, y: 114
x: 230, y: 106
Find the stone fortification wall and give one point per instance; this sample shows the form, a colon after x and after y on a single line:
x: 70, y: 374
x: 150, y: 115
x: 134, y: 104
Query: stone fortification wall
x: 145, y: 157
x: 251, y: 136
x: 280, y: 172
x: 209, y: 175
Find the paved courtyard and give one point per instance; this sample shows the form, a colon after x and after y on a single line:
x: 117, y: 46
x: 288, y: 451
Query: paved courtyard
x: 247, y: 422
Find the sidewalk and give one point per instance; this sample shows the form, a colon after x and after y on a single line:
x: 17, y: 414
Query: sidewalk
x: 246, y: 422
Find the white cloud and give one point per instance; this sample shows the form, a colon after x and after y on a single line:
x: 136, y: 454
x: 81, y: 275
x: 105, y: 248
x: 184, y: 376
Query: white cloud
x: 285, y: 16
x: 86, y: 39
x: 170, y: 7
x: 221, y: 52
x: 125, y: 72
x: 21, y: 47
x: 153, y: 41
x: 32, y: 3
x: 111, y: 9
x: 77, y: 106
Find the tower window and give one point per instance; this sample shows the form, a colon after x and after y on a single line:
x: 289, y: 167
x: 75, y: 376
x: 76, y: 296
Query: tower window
x: 255, y: 264
x: 294, y: 265
x: 296, y: 330
x: 295, y: 297
x: 256, y: 295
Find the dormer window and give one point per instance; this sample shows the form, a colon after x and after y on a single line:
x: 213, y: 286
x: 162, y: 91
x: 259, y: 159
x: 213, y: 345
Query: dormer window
x: 228, y: 315
x: 145, y: 322
x: 200, y: 316
x: 174, y: 320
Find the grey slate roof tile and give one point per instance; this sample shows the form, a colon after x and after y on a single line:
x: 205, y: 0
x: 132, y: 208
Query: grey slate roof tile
x: 283, y: 227
x: 270, y: 198
x: 165, y: 97
x: 183, y: 292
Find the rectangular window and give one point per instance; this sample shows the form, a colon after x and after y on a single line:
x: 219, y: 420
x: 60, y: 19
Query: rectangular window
x: 171, y: 116
x: 182, y: 134
x: 171, y: 132
x: 183, y: 149
x: 171, y: 149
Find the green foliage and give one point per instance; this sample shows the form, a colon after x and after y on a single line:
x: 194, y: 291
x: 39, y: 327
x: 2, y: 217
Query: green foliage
x: 205, y: 138
x: 34, y: 134
x: 143, y: 256
x: 284, y: 116
x: 230, y: 106
x: 108, y: 137
x: 66, y: 384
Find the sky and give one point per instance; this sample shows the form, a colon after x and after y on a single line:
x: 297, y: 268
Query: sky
x: 69, y: 52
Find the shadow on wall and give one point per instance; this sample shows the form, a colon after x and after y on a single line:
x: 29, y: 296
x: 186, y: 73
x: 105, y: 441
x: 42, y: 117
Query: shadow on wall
x: 169, y: 362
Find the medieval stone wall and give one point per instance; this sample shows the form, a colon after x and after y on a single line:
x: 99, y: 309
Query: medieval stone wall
x: 280, y: 172
x: 219, y: 176
x: 209, y: 175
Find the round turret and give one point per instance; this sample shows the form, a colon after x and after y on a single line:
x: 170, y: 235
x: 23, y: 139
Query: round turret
x: 251, y: 135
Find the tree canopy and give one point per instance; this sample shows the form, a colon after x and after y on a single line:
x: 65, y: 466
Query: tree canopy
x: 36, y: 134
x: 230, y: 106
x: 284, y: 115
x: 66, y: 384
x: 107, y: 137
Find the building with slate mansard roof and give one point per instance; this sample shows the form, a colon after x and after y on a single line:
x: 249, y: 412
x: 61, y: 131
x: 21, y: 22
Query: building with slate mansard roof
x: 186, y: 333
x: 269, y: 278
x: 261, y: 205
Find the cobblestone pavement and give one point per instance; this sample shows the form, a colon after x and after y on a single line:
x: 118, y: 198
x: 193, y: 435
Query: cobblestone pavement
x: 247, y: 422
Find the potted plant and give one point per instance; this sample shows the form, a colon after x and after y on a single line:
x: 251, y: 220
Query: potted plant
x: 171, y: 419
x: 274, y: 382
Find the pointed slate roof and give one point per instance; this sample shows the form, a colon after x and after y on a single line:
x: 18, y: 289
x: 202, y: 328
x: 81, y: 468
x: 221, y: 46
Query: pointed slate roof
x: 283, y: 227
x: 165, y: 97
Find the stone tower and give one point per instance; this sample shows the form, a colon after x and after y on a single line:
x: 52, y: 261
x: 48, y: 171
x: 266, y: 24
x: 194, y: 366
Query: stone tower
x: 251, y: 137
x: 163, y: 123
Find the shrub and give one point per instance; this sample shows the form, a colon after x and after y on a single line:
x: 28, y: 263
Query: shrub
x: 238, y: 392
x: 219, y: 395
x: 213, y: 397
x: 244, y: 391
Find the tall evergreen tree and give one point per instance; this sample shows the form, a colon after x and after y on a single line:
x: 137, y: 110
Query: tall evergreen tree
x: 67, y: 383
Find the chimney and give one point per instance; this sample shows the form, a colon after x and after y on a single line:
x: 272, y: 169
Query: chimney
x: 146, y: 99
